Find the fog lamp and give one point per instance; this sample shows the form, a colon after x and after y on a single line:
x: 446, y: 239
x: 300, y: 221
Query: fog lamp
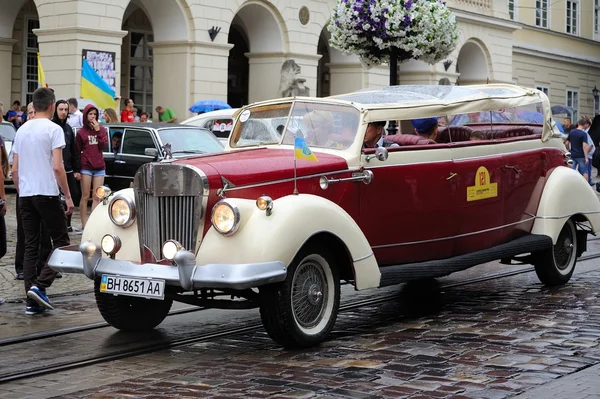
x: 170, y: 248
x: 110, y: 244
x: 102, y: 193
x: 265, y: 203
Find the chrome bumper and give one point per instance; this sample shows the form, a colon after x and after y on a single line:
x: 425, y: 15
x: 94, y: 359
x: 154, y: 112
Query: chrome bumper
x: 87, y: 259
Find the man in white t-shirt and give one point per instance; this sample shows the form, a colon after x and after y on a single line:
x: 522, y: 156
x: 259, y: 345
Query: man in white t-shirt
x: 75, y: 118
x: 37, y: 172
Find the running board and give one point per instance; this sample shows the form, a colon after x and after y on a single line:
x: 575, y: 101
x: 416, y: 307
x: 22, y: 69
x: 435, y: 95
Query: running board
x: 396, y: 274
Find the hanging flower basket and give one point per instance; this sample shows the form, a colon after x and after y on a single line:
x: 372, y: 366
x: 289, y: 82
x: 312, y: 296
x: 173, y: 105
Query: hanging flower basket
x: 423, y: 30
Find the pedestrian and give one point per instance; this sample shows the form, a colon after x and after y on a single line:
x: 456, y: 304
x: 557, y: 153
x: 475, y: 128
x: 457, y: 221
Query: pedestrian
x: 15, y: 115
x: 38, y: 172
x: 145, y: 118
x: 127, y: 113
x: 91, y: 140
x: 578, y: 145
x: 3, y: 171
x: 45, y: 247
x: 165, y: 115
x: 75, y: 116
x: 70, y: 156
x: 110, y: 116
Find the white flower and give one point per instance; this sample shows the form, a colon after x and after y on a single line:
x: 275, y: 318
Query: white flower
x: 420, y: 29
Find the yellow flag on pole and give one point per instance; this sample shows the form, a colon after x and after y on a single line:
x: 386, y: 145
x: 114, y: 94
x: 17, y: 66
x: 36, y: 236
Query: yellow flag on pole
x: 41, y: 74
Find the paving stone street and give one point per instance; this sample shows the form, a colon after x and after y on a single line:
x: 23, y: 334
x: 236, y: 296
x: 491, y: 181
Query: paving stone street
x: 508, y: 337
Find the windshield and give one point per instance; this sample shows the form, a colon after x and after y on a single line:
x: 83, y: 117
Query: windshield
x: 190, y: 141
x: 7, y: 131
x: 321, y: 125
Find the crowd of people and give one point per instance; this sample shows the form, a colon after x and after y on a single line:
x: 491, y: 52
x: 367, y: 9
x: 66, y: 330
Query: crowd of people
x: 54, y: 168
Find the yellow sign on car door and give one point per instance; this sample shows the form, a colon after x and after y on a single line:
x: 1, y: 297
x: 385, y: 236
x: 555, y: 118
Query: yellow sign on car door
x: 483, y: 187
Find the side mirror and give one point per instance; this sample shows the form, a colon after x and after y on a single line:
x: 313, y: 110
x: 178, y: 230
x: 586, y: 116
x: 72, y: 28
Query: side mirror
x: 381, y: 153
x: 151, y: 152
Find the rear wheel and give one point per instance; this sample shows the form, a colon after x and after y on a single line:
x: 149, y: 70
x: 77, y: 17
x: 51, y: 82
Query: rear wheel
x: 555, y: 265
x: 129, y: 313
x: 300, y: 312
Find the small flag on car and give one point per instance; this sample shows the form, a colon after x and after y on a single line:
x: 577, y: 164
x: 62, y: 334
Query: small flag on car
x: 303, y: 151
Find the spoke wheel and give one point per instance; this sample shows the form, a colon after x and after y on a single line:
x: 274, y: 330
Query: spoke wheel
x: 301, y: 311
x: 555, y: 266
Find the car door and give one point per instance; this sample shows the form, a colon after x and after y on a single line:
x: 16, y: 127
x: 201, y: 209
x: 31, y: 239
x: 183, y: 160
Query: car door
x: 109, y: 153
x: 133, y: 154
x: 406, y: 212
x: 480, y: 185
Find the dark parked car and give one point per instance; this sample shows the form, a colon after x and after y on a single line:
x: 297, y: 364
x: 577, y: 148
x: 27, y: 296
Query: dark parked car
x: 147, y: 142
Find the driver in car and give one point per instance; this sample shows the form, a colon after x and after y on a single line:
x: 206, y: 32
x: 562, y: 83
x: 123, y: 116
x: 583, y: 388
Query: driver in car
x: 374, y: 136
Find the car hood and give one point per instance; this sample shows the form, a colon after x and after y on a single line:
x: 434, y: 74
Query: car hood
x: 243, y: 167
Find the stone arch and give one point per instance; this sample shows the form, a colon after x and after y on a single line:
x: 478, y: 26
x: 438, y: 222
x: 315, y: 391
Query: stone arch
x: 257, y: 28
x: 169, y: 22
x: 474, y: 63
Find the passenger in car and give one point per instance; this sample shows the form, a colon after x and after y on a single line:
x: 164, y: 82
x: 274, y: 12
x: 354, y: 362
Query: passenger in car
x: 477, y: 135
x: 426, y: 127
x: 116, y: 141
x: 374, y: 136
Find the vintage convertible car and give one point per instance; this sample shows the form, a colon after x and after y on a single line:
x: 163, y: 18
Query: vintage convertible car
x: 261, y: 226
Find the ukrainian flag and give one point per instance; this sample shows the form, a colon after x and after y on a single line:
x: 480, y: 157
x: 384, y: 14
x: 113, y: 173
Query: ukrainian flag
x: 302, y: 151
x: 41, y: 74
x: 94, y: 88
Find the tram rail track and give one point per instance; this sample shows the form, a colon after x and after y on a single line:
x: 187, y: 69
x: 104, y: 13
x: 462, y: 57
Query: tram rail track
x: 207, y: 336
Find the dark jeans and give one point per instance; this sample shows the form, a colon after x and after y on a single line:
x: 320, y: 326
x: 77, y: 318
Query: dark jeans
x: 75, y: 195
x: 2, y: 236
x: 45, y: 244
x: 34, y: 211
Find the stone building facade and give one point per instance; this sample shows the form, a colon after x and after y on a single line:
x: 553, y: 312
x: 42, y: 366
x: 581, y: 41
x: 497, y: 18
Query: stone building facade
x: 176, y: 52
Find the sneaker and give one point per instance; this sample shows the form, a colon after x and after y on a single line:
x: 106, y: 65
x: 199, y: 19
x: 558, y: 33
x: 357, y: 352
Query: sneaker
x: 34, y: 309
x: 19, y: 276
x: 58, y: 275
x: 40, y: 297
x: 73, y: 230
x: 2, y: 300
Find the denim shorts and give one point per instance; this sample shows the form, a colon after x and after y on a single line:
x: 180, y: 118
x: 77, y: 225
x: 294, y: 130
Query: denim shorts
x: 93, y: 173
x: 579, y: 164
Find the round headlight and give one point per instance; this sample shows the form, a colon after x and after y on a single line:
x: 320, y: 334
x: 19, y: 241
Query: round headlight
x: 110, y: 244
x: 121, y: 211
x: 170, y: 248
x: 225, y: 217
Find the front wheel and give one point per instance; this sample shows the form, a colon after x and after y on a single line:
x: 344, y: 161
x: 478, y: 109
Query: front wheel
x: 555, y: 265
x: 300, y: 312
x: 129, y: 313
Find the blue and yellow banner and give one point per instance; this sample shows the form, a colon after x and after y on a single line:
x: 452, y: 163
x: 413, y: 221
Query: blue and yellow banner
x: 303, y: 151
x: 94, y: 88
x: 41, y: 74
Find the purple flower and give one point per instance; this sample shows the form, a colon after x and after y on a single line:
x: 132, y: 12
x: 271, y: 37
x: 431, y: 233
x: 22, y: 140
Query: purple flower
x: 408, y: 5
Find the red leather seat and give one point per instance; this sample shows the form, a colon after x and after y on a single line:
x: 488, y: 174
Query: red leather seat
x: 454, y: 134
x: 408, y: 139
x: 514, y: 132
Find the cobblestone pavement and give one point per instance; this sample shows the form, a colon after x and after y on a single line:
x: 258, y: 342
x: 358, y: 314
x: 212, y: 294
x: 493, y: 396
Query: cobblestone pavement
x: 12, y: 290
x: 494, y: 339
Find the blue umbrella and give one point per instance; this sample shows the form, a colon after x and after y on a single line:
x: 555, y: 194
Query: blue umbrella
x: 561, y: 109
x: 209, y: 105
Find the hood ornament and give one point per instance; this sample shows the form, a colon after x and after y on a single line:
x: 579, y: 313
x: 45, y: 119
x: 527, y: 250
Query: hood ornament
x: 167, y: 151
x: 226, y: 186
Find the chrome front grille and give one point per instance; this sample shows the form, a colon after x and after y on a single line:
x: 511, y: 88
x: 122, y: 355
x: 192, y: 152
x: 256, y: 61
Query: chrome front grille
x: 171, y: 200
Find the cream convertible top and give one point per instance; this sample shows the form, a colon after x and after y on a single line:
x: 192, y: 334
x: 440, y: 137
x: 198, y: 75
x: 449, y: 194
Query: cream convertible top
x: 410, y: 102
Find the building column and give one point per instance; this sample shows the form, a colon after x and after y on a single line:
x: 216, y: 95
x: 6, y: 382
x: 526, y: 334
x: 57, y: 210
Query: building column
x: 265, y: 76
x: 61, y: 55
x: 6, y: 50
x: 208, y: 72
x: 345, y: 77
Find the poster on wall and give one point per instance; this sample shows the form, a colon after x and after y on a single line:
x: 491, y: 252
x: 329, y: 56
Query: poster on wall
x: 103, y: 62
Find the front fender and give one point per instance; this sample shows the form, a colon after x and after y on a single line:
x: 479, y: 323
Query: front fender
x: 99, y: 224
x: 279, y: 237
x: 566, y: 193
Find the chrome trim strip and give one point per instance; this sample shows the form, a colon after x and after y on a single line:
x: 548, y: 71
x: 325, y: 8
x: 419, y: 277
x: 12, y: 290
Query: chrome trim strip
x: 451, y: 237
x: 566, y: 216
x: 363, y: 258
x: 291, y: 179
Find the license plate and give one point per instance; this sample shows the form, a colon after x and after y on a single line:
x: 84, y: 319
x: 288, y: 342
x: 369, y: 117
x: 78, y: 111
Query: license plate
x: 142, y: 287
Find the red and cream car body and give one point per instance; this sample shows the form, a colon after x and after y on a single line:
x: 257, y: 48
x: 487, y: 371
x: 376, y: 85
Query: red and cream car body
x: 273, y: 232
